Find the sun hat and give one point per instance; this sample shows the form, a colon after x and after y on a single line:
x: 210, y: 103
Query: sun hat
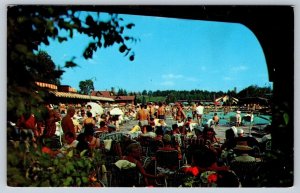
x: 242, y: 146
x: 240, y: 131
x: 167, y: 138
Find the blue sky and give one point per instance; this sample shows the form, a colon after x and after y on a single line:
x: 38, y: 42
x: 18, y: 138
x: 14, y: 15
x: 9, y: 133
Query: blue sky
x: 172, y: 54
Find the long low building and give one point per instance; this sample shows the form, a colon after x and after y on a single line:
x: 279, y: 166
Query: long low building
x: 67, y: 94
x: 80, y: 96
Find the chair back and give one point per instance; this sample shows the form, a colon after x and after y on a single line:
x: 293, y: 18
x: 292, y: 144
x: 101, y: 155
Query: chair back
x: 149, y: 145
x: 167, y: 159
x: 117, y: 136
x: 125, y: 177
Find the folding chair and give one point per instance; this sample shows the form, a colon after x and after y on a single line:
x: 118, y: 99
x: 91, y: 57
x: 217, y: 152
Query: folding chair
x: 149, y: 146
x: 144, y: 142
x: 179, y: 178
x: 166, y: 162
x: 117, y: 136
x: 125, y: 177
x: 167, y: 159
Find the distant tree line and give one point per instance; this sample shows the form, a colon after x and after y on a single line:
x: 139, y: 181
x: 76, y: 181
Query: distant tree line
x: 203, y: 95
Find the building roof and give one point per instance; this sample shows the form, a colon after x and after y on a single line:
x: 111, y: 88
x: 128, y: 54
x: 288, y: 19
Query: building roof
x: 80, y: 96
x: 124, y: 98
x: 108, y: 94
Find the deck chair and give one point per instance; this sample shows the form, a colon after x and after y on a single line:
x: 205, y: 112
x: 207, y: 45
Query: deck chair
x: 145, y: 144
x: 149, y: 145
x: 166, y: 162
x: 180, y: 177
x: 117, y: 136
x: 125, y: 178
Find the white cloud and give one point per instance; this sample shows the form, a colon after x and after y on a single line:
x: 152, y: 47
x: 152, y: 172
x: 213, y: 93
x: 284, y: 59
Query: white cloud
x: 171, y: 76
x: 203, y: 68
x: 239, y: 68
x: 227, y: 78
x: 192, y: 79
x: 167, y: 83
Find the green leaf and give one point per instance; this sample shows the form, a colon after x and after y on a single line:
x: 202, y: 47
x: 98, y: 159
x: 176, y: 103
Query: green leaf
x: 89, y: 20
x: 77, y: 22
x: 45, y: 183
x: 83, y: 153
x: 78, y: 181
x: 92, y: 46
x: 71, y: 33
x: 129, y: 26
x: 83, y: 174
x: 21, y: 48
x: 67, y: 181
x: 122, y: 48
x: 18, y: 179
x: 80, y: 163
x: 55, y: 162
x: 54, y: 178
x: 84, y: 180
x: 62, y: 39
x: 70, y: 166
x: 70, y: 64
x: 131, y: 58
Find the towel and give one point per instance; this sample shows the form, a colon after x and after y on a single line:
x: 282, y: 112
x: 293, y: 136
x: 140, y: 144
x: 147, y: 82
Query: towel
x: 107, y: 144
x: 135, y: 129
x: 124, y: 164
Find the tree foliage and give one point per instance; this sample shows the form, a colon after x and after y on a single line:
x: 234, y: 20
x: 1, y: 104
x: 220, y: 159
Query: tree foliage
x: 122, y: 92
x: 38, y: 169
x: 171, y: 96
x: 86, y: 86
x: 30, y: 26
x: 45, y: 69
x: 255, y: 91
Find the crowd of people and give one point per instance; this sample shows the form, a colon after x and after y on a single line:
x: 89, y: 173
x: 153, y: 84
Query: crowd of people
x: 201, y: 154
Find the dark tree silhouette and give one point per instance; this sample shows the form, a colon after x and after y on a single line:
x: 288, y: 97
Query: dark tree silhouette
x: 29, y: 26
x: 86, y: 86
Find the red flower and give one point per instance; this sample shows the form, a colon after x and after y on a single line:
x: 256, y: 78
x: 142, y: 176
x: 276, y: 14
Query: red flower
x: 193, y: 170
x: 212, y: 178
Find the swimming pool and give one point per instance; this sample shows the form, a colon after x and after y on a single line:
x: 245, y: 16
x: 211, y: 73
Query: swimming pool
x: 225, y: 119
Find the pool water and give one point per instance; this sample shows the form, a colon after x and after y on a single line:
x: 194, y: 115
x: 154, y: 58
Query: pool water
x: 225, y: 119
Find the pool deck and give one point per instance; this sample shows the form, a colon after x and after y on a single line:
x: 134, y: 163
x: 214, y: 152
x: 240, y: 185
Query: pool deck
x: 220, y: 129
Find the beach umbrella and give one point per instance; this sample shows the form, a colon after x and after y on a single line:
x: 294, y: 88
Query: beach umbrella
x: 116, y: 111
x: 96, y: 108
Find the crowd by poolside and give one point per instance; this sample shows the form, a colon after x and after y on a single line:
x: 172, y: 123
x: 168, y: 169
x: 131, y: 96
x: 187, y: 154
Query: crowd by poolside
x: 146, y: 131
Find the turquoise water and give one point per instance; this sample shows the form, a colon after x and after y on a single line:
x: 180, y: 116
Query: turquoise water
x: 225, y: 119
